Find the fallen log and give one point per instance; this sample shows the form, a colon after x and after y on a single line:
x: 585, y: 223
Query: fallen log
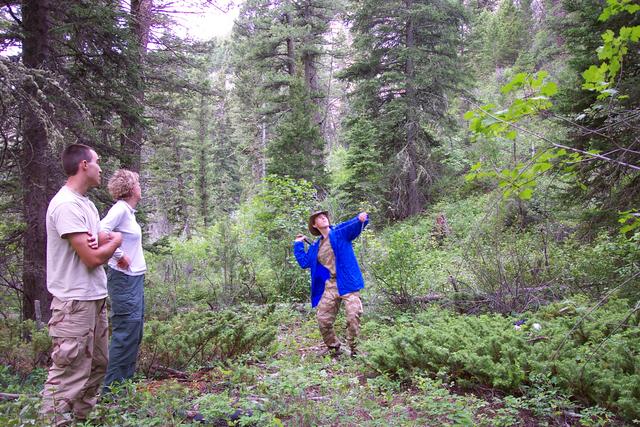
x: 9, y: 396
x: 170, y: 371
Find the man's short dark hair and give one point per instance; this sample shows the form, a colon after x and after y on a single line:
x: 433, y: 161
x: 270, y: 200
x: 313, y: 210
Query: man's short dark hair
x: 73, y: 155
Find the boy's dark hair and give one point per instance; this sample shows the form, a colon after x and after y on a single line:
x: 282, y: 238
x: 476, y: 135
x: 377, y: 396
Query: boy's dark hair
x: 74, y: 154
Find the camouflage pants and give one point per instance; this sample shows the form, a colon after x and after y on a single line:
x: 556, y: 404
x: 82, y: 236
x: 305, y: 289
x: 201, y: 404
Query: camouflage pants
x: 79, y: 330
x: 328, y: 310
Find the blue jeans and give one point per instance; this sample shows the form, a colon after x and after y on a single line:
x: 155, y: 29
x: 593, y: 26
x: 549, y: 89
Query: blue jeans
x: 127, y: 321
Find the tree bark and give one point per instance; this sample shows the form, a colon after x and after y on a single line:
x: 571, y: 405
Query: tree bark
x: 291, y: 59
x: 309, y: 58
x: 131, y: 138
x: 35, y: 159
x: 412, y: 203
x: 203, y: 183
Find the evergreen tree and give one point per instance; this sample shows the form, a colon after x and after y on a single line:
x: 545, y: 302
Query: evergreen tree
x: 608, y: 125
x: 407, y: 61
x: 364, y: 184
x: 283, y: 41
x: 297, y: 150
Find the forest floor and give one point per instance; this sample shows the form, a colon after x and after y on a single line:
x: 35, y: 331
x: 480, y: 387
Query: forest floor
x: 301, y: 386
x: 297, y: 384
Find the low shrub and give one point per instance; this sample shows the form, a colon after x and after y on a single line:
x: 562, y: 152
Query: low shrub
x: 592, y: 355
x: 23, y: 355
x: 199, y: 338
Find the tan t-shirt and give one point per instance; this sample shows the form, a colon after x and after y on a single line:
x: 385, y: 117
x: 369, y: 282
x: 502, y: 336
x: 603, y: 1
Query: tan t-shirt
x: 68, y: 278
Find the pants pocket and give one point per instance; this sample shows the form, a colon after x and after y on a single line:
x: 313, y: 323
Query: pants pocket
x: 65, y: 351
x: 121, y: 293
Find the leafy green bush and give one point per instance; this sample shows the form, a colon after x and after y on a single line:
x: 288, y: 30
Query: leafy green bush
x: 23, y: 355
x: 270, y: 222
x: 605, y: 263
x: 591, y: 354
x: 198, y: 338
x: 212, y: 268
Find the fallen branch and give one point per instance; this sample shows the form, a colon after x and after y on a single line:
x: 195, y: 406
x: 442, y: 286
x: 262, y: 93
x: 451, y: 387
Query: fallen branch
x: 170, y: 371
x: 9, y: 396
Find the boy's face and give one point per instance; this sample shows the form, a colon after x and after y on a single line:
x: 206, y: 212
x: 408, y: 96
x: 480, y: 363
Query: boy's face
x: 321, y: 221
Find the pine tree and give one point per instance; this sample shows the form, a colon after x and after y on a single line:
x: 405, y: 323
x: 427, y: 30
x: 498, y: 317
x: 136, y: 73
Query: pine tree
x: 406, y: 63
x: 614, y: 121
x: 297, y: 148
x: 283, y: 41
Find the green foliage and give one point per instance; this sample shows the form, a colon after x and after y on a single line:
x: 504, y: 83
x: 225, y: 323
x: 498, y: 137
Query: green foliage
x: 271, y: 220
x: 606, y: 263
x: 297, y: 150
x: 364, y: 168
x: 492, y: 123
x: 131, y: 405
x: 16, y: 382
x: 600, y: 38
x: 201, y: 338
x: 224, y: 408
x: 22, y: 355
x: 211, y: 268
x: 407, y: 264
x: 508, y: 34
x: 602, y: 78
x: 402, y: 84
x: 597, y: 360
x: 630, y: 220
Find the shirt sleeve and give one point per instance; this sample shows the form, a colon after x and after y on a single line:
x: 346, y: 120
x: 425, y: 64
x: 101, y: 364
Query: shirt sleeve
x: 113, y: 218
x: 69, y: 218
x: 110, y: 223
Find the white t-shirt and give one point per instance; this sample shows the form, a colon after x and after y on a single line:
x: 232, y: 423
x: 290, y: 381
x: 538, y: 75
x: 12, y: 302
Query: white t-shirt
x: 121, y: 217
x: 68, y: 278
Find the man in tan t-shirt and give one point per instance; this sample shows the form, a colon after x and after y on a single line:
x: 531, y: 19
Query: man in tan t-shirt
x: 78, y: 283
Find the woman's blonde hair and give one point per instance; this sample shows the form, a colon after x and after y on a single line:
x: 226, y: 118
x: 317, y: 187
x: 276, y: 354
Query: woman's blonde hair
x: 121, y: 183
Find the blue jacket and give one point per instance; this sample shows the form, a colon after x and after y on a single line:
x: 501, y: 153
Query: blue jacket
x: 348, y: 275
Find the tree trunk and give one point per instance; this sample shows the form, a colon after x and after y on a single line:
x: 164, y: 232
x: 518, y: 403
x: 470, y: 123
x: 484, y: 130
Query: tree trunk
x: 312, y: 84
x: 258, y: 163
x: 131, y: 138
x: 412, y: 203
x: 202, y: 176
x: 291, y: 59
x: 35, y: 164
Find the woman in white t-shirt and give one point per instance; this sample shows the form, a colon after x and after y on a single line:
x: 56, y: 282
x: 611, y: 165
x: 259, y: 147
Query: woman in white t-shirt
x: 125, y: 277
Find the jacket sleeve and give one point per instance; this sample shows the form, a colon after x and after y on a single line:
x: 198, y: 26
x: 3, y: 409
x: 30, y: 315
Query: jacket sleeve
x: 352, y: 228
x: 301, y: 255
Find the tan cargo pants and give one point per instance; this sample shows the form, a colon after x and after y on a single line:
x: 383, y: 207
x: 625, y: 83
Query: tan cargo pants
x: 79, y: 330
x: 328, y: 310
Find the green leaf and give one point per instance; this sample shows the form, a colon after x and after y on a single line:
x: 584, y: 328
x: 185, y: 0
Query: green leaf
x: 469, y: 115
x: 470, y: 177
x: 549, y: 89
x: 526, y: 194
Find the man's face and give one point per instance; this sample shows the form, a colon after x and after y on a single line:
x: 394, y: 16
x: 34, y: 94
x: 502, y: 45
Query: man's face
x: 93, y: 170
x: 321, y: 221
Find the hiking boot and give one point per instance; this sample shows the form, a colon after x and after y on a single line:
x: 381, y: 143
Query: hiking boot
x: 357, y: 354
x: 331, y: 351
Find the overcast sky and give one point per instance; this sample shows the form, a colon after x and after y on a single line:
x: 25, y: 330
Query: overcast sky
x: 207, y: 23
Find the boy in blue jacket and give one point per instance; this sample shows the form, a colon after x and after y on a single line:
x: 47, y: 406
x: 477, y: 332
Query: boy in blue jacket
x: 335, y: 274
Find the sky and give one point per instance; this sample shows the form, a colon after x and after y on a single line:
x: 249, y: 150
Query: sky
x: 199, y: 22
x: 206, y: 23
